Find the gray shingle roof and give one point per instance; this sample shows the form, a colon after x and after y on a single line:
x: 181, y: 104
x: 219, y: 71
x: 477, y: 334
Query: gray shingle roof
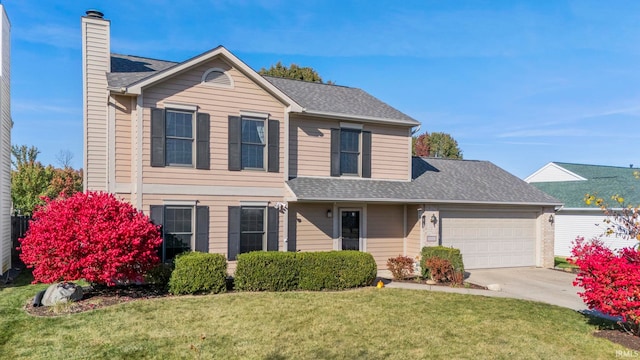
x: 315, y: 97
x: 434, y: 180
x: 605, y: 181
x: 128, y: 69
x: 336, y: 99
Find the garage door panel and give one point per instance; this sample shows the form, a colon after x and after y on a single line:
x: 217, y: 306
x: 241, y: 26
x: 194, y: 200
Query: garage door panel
x: 491, y: 239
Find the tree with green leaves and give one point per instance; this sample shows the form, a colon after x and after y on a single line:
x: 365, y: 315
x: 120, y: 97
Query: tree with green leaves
x: 293, y: 72
x: 436, y: 144
x: 31, y: 181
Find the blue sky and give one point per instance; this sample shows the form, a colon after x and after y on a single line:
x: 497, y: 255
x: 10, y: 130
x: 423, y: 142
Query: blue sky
x: 518, y: 83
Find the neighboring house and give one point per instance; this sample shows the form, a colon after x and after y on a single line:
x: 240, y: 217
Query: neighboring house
x: 5, y: 142
x: 570, y: 183
x: 229, y: 161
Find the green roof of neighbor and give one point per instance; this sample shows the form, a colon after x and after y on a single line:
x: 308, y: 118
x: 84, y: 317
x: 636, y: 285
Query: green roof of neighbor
x: 603, y: 181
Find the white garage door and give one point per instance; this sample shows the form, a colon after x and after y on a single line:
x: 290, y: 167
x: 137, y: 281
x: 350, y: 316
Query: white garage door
x: 491, y: 239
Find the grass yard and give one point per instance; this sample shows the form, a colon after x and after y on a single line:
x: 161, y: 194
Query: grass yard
x: 360, y: 324
x: 561, y: 263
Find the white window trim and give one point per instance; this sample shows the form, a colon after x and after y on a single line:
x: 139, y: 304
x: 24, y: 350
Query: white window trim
x: 265, y: 153
x: 350, y: 126
x: 216, y: 69
x: 180, y: 202
x: 254, y: 114
x: 254, y: 203
x: 180, y: 106
x: 193, y: 132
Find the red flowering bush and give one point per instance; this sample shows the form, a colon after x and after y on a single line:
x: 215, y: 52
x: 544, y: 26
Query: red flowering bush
x: 401, y: 267
x: 610, y: 279
x: 91, y: 236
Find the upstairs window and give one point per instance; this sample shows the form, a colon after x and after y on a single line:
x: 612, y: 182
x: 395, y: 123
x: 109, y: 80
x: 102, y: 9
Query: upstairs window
x: 253, y: 143
x: 350, y: 152
x: 179, y: 138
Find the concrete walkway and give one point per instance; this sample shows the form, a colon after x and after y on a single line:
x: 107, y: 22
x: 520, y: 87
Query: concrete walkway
x: 536, y: 284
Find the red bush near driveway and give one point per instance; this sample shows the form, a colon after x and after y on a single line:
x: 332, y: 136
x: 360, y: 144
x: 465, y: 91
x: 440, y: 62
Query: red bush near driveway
x: 611, y: 280
x: 91, y: 236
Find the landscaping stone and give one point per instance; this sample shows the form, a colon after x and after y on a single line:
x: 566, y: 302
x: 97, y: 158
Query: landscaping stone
x: 61, y: 293
x: 494, y: 287
x: 430, y: 282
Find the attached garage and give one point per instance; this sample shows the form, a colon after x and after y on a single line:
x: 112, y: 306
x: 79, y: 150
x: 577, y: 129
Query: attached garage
x: 491, y: 239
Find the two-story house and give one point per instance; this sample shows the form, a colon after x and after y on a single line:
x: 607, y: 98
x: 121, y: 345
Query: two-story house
x: 229, y: 161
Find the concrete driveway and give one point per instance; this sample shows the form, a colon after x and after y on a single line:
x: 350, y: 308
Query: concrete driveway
x: 544, y: 285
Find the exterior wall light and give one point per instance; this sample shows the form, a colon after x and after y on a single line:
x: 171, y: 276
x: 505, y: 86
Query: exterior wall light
x: 551, y: 219
x: 329, y: 214
x: 434, y: 219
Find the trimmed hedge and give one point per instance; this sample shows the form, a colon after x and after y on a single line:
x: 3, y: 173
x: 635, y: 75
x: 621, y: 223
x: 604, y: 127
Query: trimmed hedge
x: 197, y: 272
x: 159, y: 275
x: 267, y: 271
x: 285, y: 271
x: 453, y: 255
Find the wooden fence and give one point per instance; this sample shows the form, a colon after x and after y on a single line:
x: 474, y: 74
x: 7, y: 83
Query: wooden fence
x: 19, y: 227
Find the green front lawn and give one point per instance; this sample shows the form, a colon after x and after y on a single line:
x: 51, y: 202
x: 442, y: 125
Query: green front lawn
x: 360, y: 324
x: 562, y: 263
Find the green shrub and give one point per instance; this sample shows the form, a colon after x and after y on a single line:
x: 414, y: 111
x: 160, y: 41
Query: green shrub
x: 267, y: 271
x: 336, y: 270
x: 284, y: 271
x: 159, y: 275
x: 197, y: 272
x: 453, y: 255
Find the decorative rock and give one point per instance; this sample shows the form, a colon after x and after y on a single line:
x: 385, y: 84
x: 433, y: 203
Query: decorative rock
x: 430, y: 282
x: 494, y: 287
x: 61, y: 293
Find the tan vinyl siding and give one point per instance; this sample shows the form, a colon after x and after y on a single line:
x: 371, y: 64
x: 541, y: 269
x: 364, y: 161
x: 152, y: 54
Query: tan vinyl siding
x: 96, y: 62
x: 413, y: 231
x: 218, y: 216
x: 219, y: 103
x: 310, y: 148
x: 384, y: 232
x: 5, y: 145
x: 123, y: 106
x: 314, y: 230
x: 389, y: 152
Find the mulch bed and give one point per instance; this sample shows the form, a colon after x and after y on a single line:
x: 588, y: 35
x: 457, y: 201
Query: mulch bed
x: 99, y: 297
x: 620, y: 337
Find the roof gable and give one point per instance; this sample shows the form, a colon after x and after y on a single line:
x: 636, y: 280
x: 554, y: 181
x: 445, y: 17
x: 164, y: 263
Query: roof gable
x: 605, y: 181
x: 155, y: 71
x: 553, y: 172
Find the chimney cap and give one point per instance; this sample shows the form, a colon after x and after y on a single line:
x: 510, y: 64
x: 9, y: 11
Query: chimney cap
x: 92, y: 13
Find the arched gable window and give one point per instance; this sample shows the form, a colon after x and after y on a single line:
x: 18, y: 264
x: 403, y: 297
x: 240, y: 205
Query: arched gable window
x: 217, y: 77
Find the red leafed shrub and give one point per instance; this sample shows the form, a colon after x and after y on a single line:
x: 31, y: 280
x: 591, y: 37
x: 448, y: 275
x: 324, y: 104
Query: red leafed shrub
x: 440, y: 269
x: 401, y: 267
x: 610, y: 279
x: 91, y: 236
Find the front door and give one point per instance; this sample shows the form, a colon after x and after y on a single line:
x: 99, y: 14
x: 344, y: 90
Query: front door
x: 350, y: 225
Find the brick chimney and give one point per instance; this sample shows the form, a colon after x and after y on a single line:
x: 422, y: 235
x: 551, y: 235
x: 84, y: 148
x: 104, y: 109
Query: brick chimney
x: 96, y: 62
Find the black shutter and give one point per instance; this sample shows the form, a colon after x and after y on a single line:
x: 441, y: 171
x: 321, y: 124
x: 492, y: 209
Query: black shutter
x: 203, y: 124
x: 292, y: 231
x: 202, y: 229
x: 273, y: 159
x: 233, y: 232
x: 273, y: 229
x: 235, y: 143
x: 157, y: 137
x: 157, y: 217
x: 366, y: 154
x: 335, y: 152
